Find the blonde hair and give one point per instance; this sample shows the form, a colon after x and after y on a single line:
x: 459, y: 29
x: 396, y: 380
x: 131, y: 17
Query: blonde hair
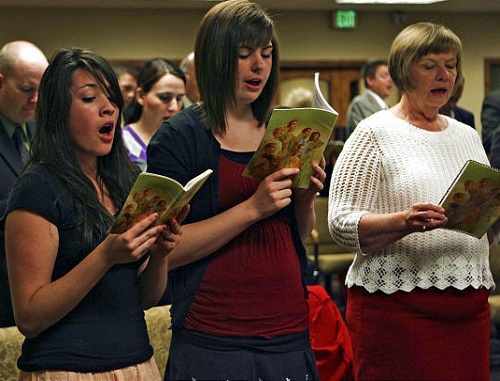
x: 298, y: 97
x: 416, y: 41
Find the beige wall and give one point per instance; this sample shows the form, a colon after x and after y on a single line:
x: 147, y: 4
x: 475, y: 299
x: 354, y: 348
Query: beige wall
x: 305, y: 35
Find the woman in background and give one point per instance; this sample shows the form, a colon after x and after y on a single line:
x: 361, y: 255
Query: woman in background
x: 417, y: 306
x: 78, y: 293
x: 161, y: 85
x: 239, y: 307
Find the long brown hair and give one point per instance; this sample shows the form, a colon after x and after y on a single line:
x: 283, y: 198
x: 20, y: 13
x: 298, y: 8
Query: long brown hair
x: 222, y: 31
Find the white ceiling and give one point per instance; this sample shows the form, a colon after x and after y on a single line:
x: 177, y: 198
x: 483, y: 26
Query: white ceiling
x: 487, y: 6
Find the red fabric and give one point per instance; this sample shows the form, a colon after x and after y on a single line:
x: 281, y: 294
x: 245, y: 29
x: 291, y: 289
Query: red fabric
x: 420, y: 335
x: 253, y: 284
x: 329, y: 337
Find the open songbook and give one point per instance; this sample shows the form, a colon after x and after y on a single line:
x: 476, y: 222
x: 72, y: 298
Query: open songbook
x: 472, y: 203
x: 155, y: 193
x: 295, y: 137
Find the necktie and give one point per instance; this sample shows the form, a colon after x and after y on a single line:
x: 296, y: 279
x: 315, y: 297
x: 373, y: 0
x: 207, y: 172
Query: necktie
x: 20, y: 141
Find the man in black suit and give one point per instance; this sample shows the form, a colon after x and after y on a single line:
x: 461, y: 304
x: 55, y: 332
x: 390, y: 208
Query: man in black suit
x: 192, y: 92
x: 490, y: 117
x: 451, y: 109
x: 495, y: 148
x: 21, y: 68
x: 463, y: 116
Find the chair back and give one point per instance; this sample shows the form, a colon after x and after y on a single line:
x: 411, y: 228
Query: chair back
x: 326, y: 245
x: 495, y: 266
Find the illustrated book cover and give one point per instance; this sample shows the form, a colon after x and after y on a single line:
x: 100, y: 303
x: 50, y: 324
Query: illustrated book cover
x: 295, y: 137
x: 472, y: 203
x: 155, y: 193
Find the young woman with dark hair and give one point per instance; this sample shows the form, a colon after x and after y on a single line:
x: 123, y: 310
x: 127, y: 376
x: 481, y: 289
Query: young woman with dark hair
x: 161, y: 85
x: 78, y: 292
x: 239, y: 307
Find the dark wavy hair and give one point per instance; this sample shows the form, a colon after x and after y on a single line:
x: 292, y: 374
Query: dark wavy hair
x: 223, y: 29
x: 52, y: 144
x: 150, y: 73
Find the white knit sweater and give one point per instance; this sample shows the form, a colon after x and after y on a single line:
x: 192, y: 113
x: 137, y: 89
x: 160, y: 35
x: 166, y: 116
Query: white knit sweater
x: 386, y: 166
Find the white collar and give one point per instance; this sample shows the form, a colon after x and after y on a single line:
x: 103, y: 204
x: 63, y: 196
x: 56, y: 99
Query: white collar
x: 379, y: 100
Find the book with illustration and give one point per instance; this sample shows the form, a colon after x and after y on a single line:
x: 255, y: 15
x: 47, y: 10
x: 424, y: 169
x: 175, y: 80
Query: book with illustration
x: 155, y: 193
x: 295, y: 137
x: 472, y: 203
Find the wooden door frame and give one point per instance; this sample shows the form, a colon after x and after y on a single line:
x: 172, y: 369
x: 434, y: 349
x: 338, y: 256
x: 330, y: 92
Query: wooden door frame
x: 339, y: 92
x: 488, y: 63
x: 318, y: 65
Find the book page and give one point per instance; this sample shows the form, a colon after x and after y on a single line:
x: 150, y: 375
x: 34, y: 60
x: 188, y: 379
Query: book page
x: 198, y: 181
x: 191, y: 188
x: 319, y: 100
x: 472, y: 203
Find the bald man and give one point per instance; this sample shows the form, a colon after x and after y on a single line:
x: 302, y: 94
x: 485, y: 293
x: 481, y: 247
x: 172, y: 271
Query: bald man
x: 22, y: 65
x: 21, y: 68
x: 192, y: 92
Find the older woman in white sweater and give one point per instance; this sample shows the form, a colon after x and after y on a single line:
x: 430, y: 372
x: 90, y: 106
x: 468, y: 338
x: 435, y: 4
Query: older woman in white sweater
x: 417, y: 293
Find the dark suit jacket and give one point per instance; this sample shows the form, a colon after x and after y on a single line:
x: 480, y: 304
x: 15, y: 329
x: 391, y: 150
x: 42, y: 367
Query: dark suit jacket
x: 10, y: 162
x: 490, y: 117
x: 464, y: 116
x: 10, y: 169
x: 495, y: 149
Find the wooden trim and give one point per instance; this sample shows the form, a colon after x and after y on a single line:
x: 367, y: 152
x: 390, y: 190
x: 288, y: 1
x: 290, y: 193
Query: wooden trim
x: 318, y: 65
x: 488, y: 63
x: 287, y: 66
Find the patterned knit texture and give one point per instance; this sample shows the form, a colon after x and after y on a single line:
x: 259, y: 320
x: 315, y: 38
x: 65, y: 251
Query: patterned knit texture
x: 386, y: 166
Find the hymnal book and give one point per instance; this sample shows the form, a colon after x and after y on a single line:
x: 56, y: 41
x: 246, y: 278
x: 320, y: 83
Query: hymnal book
x: 155, y: 193
x: 472, y: 203
x: 295, y: 137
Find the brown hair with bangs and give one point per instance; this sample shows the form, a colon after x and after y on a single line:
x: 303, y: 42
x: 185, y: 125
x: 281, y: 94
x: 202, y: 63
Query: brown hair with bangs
x: 223, y: 30
x: 416, y: 41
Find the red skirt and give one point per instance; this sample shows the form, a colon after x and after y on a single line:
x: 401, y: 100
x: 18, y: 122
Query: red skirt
x: 420, y: 335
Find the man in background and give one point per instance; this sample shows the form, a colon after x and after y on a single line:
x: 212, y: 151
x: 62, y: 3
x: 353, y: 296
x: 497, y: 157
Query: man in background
x: 378, y: 84
x: 495, y: 149
x: 453, y: 110
x: 490, y: 117
x: 127, y: 80
x: 22, y: 65
x: 192, y: 93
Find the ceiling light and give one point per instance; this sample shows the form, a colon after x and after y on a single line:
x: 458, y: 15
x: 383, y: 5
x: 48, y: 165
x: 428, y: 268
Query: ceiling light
x: 416, y: 2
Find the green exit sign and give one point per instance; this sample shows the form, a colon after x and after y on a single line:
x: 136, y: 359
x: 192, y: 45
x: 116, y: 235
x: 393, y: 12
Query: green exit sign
x: 344, y: 19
